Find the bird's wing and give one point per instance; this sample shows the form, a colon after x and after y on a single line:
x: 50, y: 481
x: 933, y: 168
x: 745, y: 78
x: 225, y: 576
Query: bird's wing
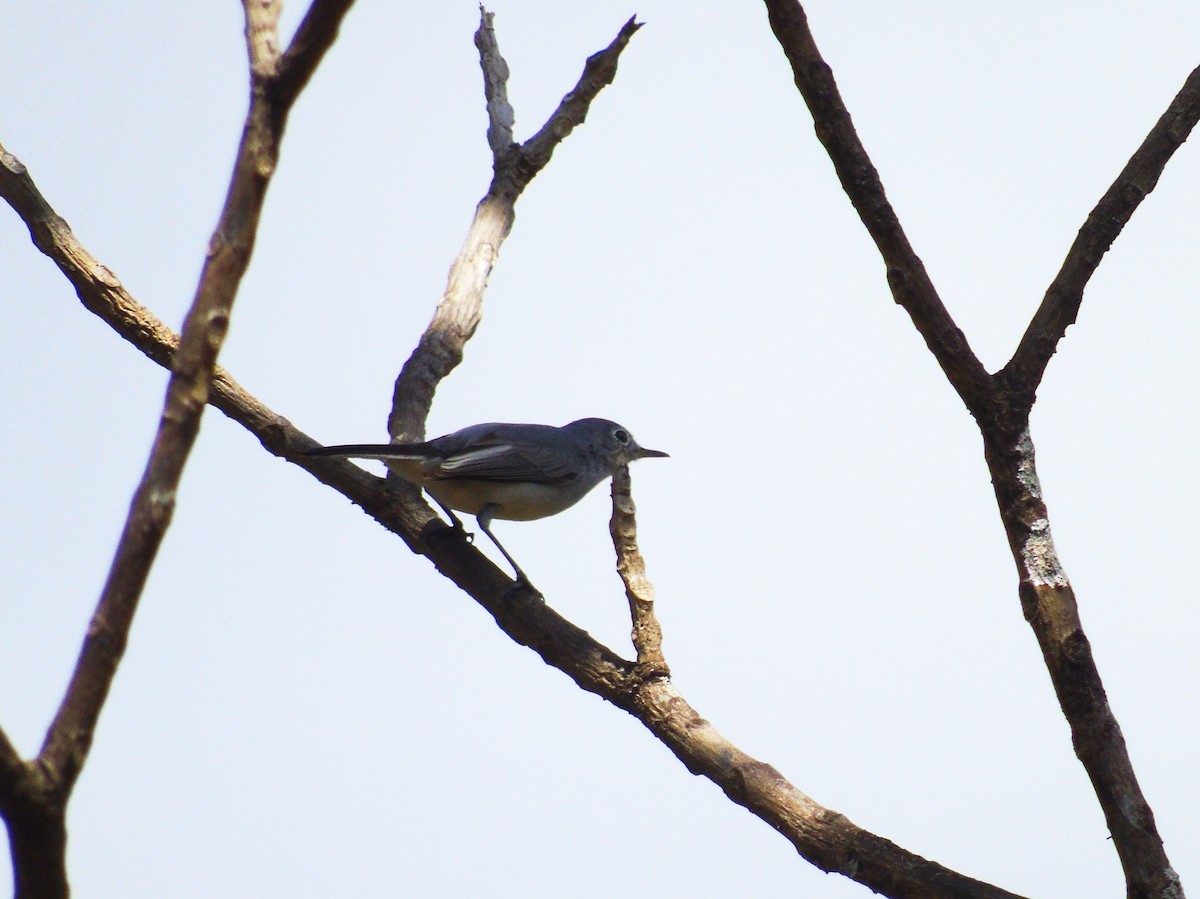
x: 497, y: 456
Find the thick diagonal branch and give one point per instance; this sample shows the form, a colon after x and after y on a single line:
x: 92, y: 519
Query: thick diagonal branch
x: 823, y: 836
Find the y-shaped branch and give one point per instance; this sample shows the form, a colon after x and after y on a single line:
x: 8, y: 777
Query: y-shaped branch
x: 515, y: 165
x: 1001, y: 407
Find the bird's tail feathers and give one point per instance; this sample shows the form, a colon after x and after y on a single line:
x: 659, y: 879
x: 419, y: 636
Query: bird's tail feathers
x: 383, y: 451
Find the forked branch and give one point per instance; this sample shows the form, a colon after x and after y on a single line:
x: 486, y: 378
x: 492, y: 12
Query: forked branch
x: 1001, y: 406
x: 440, y: 348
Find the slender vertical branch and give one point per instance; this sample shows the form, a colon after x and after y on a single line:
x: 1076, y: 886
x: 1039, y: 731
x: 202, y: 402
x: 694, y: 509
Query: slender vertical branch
x: 1048, y: 603
x: 647, y: 633
x: 819, y: 834
x: 37, y: 837
x: 35, y: 800
x: 232, y: 243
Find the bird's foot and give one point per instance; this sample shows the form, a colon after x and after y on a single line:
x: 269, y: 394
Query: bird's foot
x: 522, y: 584
x: 437, y: 529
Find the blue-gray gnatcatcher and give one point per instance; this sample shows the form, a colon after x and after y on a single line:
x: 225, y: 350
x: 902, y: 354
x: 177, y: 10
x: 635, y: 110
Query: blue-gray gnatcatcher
x: 508, y: 471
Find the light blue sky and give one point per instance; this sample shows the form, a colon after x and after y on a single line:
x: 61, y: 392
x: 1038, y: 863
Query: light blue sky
x: 306, y: 708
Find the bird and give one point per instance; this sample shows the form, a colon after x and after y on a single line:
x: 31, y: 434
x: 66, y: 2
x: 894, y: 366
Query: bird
x: 512, y: 472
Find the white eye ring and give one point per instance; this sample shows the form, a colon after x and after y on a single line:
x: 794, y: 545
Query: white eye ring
x: 621, y: 434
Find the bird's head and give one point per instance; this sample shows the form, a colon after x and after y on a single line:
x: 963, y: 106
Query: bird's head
x: 611, y: 440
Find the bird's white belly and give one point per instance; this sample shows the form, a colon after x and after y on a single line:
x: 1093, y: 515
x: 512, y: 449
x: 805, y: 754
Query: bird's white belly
x: 512, y: 501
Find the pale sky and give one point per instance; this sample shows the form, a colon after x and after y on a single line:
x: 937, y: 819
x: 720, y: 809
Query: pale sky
x: 307, y: 709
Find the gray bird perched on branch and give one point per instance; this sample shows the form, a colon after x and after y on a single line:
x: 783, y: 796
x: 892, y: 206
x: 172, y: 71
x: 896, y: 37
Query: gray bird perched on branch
x: 512, y: 472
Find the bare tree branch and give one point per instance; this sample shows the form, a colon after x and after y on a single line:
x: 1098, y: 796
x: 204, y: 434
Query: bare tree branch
x: 316, y: 34
x: 647, y: 633
x: 10, y: 759
x: 1048, y: 603
x: 98, y: 288
x: 69, y: 736
x: 262, y: 40
x: 37, y: 837
x: 36, y: 821
x: 640, y: 688
x: 906, y: 274
x: 598, y: 73
x: 1001, y: 407
x: 1065, y: 294
x: 501, y: 116
x: 440, y: 348
x: 824, y: 837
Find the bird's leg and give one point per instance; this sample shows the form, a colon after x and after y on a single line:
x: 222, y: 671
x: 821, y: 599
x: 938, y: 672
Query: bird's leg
x: 455, y: 521
x: 484, y: 517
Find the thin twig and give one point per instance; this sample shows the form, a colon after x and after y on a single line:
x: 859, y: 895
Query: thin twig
x: 647, y: 633
x: 1060, y: 306
x: 598, y: 72
x: 316, y: 34
x: 909, y: 282
x: 501, y: 116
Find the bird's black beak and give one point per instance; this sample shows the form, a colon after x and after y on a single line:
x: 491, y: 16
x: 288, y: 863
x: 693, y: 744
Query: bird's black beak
x: 643, y: 453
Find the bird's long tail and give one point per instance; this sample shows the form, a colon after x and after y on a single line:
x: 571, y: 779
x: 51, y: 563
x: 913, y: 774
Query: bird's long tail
x: 366, y: 451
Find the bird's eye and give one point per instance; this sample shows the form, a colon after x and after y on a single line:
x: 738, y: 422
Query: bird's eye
x: 621, y: 434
